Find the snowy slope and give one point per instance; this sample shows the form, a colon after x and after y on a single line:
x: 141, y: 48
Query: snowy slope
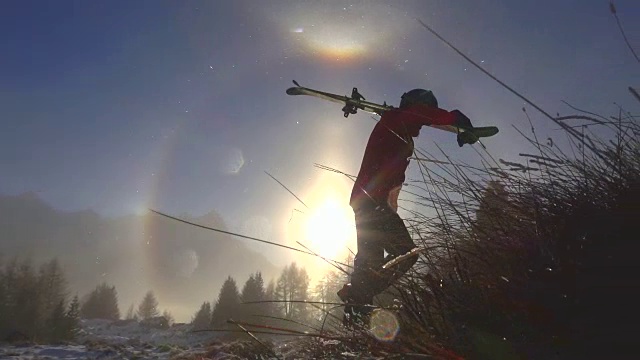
x: 104, y: 339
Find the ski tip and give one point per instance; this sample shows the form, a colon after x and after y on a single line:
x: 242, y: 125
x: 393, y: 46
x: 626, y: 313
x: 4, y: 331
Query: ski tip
x: 293, y: 91
x: 491, y: 130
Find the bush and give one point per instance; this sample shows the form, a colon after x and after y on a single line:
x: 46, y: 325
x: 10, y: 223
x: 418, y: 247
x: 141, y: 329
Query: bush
x: 533, y: 261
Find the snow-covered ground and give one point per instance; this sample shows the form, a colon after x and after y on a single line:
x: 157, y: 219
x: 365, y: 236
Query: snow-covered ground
x: 104, y: 339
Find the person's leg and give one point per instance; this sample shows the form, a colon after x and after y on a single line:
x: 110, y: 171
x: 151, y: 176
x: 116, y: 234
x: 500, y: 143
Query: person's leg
x: 370, y: 256
x: 397, y: 241
x: 358, y: 295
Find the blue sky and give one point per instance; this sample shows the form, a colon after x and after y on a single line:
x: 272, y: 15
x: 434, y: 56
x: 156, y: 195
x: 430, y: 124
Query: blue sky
x: 123, y: 105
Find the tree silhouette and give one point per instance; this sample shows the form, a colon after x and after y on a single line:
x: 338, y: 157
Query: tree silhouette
x: 148, y: 308
x: 292, y: 286
x: 202, y: 318
x: 52, y: 288
x: 326, y: 290
x: 270, y: 308
x: 25, y: 302
x: 72, y: 319
x: 101, y: 303
x: 57, y: 323
x: 228, y: 304
x: 252, y: 291
x: 32, y: 304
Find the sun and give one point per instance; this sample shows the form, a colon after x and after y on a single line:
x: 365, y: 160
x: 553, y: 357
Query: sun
x: 330, y: 227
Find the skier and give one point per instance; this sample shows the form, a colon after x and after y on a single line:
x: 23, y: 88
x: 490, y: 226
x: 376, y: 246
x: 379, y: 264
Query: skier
x: 375, y: 195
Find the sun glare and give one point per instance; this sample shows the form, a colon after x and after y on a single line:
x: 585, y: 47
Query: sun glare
x: 338, y: 50
x: 330, y: 227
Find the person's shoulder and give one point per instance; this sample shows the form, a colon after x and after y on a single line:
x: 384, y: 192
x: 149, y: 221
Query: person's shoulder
x: 390, y: 120
x: 418, y: 107
x: 391, y: 114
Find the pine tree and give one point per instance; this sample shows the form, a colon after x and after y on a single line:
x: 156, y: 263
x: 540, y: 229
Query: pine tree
x: 253, y: 291
x: 57, y: 323
x: 26, y: 309
x: 202, y: 319
x: 292, y: 286
x: 72, y: 319
x: 228, y: 304
x: 32, y: 304
x: 52, y: 285
x: 148, y: 307
x: 101, y: 303
x: 271, y: 308
x: 326, y: 290
x: 52, y: 289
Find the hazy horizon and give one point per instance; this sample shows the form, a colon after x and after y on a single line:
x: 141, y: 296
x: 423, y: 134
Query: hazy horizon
x: 183, y: 265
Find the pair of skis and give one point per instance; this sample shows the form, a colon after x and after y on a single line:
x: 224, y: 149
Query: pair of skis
x: 355, y: 102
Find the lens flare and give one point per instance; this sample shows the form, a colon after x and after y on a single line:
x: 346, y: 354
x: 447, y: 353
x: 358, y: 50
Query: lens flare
x: 187, y: 262
x: 384, y: 325
x: 234, y: 161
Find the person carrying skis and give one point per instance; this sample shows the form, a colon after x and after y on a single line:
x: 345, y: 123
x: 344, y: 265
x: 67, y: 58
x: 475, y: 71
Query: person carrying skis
x: 375, y: 195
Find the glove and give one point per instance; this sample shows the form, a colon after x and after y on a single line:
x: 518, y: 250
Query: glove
x: 466, y: 137
x: 461, y: 121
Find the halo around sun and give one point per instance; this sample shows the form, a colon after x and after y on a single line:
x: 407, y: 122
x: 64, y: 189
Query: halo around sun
x: 340, y: 32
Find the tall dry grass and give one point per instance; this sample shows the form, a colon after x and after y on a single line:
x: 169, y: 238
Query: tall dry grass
x: 529, y: 259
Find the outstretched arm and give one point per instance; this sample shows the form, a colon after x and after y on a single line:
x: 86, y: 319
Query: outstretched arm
x: 423, y: 115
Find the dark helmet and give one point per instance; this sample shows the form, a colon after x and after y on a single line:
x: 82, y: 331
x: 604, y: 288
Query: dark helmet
x: 421, y: 96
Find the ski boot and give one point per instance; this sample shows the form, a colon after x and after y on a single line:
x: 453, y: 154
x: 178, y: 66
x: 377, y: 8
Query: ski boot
x: 356, y: 311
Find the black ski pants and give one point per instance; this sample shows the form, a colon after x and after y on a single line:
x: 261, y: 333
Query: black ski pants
x: 379, y: 229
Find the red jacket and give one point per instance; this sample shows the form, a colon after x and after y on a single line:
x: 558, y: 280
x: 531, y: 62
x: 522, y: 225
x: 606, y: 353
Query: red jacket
x: 390, y: 145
